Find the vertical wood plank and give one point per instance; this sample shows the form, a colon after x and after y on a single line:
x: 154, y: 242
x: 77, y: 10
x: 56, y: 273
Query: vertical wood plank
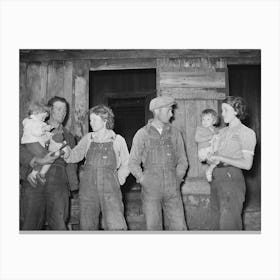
x: 23, y: 95
x: 81, y: 92
x: 34, y: 82
x: 55, y: 79
x: 43, y: 81
x: 191, y: 123
x: 67, y: 90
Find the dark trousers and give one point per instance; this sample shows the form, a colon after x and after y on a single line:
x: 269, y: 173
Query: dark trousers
x: 47, y: 203
x: 227, y: 197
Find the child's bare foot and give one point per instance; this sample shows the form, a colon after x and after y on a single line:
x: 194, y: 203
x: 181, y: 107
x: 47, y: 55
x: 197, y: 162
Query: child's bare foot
x: 208, y: 176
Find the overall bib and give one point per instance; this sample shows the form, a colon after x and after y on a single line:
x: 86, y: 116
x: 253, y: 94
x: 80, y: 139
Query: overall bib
x: 100, y: 190
x: 160, y: 186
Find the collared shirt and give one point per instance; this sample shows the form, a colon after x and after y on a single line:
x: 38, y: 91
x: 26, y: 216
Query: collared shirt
x: 234, y: 141
x: 138, y: 152
x: 119, y: 146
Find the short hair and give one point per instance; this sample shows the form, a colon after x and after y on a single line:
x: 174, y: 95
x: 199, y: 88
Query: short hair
x: 105, y: 113
x: 57, y: 98
x: 37, y: 107
x: 211, y: 112
x: 239, y: 105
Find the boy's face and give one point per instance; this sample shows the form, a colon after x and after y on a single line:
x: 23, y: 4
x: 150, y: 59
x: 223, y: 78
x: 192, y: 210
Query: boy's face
x: 96, y: 122
x: 208, y: 120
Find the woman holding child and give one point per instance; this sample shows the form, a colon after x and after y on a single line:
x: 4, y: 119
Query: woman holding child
x: 105, y: 169
x: 235, y: 151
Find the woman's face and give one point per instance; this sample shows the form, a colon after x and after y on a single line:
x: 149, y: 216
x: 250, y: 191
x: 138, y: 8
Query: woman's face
x: 96, y: 122
x: 228, y: 113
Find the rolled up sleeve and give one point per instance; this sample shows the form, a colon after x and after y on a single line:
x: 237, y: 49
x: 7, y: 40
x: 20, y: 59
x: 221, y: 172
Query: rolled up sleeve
x: 248, y: 141
x: 79, y: 152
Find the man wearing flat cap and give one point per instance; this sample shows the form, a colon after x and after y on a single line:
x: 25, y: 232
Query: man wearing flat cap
x: 160, y: 148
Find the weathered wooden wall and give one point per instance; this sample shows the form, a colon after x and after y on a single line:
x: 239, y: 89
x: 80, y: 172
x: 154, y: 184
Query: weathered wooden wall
x: 196, y: 84
x: 68, y: 79
x: 186, y: 74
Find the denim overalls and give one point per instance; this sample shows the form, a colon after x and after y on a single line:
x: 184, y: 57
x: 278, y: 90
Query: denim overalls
x: 160, y: 186
x: 100, y: 190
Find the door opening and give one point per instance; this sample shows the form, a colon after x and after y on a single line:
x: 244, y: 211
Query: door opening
x: 245, y: 81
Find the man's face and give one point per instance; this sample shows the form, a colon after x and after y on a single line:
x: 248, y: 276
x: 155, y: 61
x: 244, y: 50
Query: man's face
x: 164, y: 114
x: 58, y: 111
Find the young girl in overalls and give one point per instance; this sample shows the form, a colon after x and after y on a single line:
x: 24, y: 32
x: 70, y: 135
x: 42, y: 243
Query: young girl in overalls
x: 235, y: 152
x: 105, y: 169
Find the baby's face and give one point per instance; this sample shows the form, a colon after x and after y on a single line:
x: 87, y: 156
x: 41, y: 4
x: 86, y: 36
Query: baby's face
x: 208, y: 120
x: 42, y: 116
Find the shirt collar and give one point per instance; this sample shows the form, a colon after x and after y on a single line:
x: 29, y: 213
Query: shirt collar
x: 109, y: 136
x: 166, y: 127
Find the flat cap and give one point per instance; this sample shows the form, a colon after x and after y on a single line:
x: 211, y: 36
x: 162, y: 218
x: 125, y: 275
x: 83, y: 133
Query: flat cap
x: 160, y: 102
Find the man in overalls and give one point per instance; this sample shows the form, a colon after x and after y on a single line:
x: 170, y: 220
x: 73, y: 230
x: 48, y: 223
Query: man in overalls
x: 160, y: 147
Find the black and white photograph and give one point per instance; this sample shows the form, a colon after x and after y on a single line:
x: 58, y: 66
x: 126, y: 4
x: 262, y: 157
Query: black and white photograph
x: 139, y: 140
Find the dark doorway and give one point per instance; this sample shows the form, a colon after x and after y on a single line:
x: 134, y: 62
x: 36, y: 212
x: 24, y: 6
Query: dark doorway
x: 245, y: 81
x: 129, y: 116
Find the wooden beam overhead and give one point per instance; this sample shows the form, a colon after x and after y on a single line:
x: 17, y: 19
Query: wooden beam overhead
x: 253, y: 55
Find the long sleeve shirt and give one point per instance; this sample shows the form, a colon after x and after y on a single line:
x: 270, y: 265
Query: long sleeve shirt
x: 139, y: 152
x: 120, y: 148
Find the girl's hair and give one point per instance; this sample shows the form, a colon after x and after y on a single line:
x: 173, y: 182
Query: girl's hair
x: 37, y: 107
x: 105, y: 113
x: 238, y: 104
x: 211, y: 112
